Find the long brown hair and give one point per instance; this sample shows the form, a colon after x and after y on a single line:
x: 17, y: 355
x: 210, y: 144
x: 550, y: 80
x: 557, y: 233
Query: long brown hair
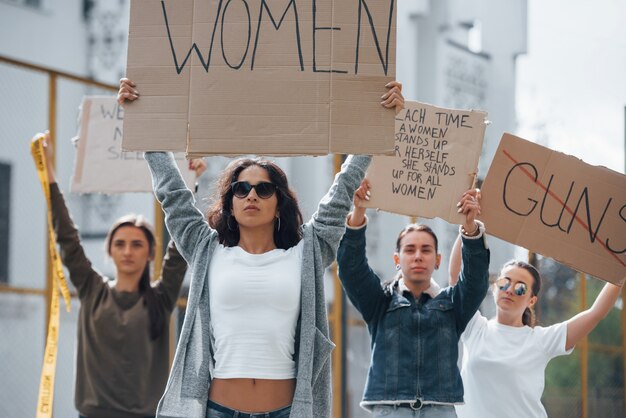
x: 157, y: 316
x: 287, y: 231
x: 528, y: 316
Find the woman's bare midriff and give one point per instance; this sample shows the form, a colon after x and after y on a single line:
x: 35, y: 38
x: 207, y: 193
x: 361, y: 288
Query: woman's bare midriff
x: 252, y: 395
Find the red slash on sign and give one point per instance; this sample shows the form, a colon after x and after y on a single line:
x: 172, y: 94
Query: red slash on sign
x: 594, y: 237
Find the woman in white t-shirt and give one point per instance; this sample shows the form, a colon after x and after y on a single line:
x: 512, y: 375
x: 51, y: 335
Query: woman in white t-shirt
x: 255, y: 339
x: 504, y: 359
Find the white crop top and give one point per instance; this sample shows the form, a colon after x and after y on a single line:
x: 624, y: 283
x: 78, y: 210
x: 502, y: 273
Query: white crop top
x: 255, y: 304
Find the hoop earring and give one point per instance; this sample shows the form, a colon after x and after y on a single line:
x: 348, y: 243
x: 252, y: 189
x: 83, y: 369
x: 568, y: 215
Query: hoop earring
x: 398, y: 267
x: 278, y: 228
x: 228, y: 223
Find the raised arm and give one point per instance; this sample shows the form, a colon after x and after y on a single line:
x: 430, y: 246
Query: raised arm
x: 172, y: 276
x: 82, y: 274
x: 184, y: 221
x: 328, y: 222
x: 174, y: 265
x: 582, y: 324
x: 361, y: 284
x: 473, y: 281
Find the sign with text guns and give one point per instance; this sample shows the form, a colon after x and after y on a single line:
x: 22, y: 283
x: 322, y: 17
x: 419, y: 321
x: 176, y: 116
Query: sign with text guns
x: 435, y: 160
x: 271, y: 77
x: 101, y: 166
x: 558, y: 206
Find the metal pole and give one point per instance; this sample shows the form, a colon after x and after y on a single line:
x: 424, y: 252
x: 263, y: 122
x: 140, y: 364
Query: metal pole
x: 160, y: 236
x: 52, y: 127
x: 337, y: 321
x: 624, y: 344
x: 584, y: 352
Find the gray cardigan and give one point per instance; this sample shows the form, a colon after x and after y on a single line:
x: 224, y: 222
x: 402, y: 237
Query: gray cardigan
x: 188, y: 384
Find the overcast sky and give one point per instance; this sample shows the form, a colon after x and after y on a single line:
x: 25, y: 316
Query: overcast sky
x: 572, y: 82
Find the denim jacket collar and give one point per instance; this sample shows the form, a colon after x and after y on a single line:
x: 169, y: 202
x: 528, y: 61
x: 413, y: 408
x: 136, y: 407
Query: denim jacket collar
x: 400, y: 287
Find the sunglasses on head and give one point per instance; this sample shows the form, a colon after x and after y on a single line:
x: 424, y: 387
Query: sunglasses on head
x: 504, y: 283
x: 264, y: 189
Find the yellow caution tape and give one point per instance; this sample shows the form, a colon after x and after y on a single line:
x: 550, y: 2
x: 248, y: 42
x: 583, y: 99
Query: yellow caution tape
x: 46, y: 385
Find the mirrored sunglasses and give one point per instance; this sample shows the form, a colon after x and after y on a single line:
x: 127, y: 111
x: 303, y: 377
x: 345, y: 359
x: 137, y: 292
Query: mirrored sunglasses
x: 242, y: 189
x: 519, y: 288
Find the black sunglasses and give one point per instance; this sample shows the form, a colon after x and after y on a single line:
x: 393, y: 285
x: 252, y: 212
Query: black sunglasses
x: 504, y: 283
x: 264, y: 189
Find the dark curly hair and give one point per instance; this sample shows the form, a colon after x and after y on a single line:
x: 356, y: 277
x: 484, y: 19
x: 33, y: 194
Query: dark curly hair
x: 220, y: 214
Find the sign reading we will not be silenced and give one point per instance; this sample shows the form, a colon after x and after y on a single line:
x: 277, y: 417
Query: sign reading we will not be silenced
x: 558, y: 206
x: 435, y: 160
x: 272, y: 77
x: 100, y: 165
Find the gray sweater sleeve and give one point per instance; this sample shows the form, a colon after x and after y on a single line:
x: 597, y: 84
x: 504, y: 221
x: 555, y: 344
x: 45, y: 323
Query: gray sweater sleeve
x: 329, y: 220
x: 184, y: 221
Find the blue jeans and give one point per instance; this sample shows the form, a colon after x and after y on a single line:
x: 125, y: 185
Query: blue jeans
x: 215, y: 410
x: 427, y: 411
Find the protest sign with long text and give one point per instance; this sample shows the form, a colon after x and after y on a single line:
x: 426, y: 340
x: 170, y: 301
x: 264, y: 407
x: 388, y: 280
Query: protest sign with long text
x: 435, y: 159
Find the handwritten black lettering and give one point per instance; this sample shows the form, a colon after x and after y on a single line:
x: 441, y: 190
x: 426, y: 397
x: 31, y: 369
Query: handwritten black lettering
x: 383, y: 61
x: 564, y: 206
x: 315, y: 29
x: 622, y: 214
x: 194, y: 47
x: 243, y: 58
x: 439, y: 168
x: 592, y: 234
x: 396, y: 174
x: 414, y: 176
x: 116, y: 113
x: 264, y: 5
x: 460, y: 121
x: 412, y: 139
x: 421, y: 192
x: 505, y: 189
x: 415, y: 115
x: 117, y: 133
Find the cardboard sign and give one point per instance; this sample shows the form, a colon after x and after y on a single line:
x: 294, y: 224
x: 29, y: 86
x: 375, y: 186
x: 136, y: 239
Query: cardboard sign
x: 557, y: 205
x: 435, y: 160
x: 101, y: 166
x: 279, y: 77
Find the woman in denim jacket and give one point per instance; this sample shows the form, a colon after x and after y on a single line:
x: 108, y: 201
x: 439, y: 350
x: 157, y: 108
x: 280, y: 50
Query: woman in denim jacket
x: 414, y: 325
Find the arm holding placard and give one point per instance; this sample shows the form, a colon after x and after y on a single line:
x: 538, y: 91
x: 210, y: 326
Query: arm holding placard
x: 185, y: 222
x: 582, y: 324
x: 82, y: 274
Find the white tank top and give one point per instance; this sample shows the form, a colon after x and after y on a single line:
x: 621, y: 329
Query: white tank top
x: 255, y: 304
